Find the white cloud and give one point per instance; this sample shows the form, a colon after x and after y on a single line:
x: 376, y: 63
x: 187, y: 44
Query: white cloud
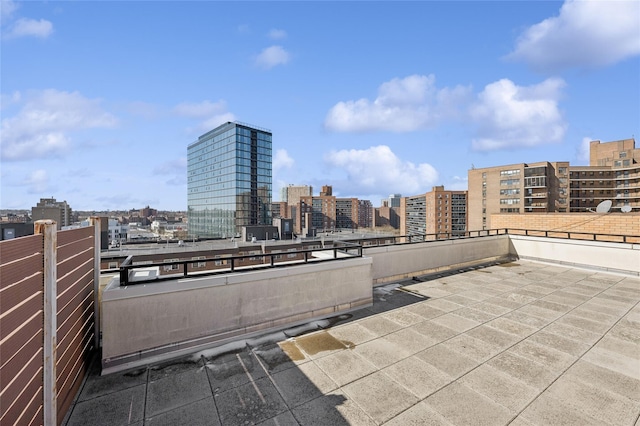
x: 37, y: 181
x: 276, y: 34
x: 25, y: 27
x: 379, y: 170
x: 174, y: 170
x: 43, y: 125
x: 272, y: 56
x: 402, y: 105
x: 7, y: 7
x: 200, y: 109
x: 282, y: 160
x: 511, y: 116
x: 585, y: 34
x: 216, y: 120
x: 584, y: 150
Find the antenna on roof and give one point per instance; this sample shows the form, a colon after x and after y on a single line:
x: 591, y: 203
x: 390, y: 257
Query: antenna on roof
x: 625, y: 209
x: 604, y: 206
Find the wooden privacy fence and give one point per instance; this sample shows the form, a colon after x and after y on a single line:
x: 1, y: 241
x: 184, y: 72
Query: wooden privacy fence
x: 48, y: 320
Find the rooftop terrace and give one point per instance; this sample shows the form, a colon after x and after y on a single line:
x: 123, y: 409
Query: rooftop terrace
x: 522, y: 343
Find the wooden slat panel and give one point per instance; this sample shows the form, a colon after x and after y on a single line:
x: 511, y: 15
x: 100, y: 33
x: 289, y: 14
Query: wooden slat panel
x: 13, y: 295
x: 15, y: 397
x: 20, y: 347
x: 38, y: 416
x: 83, y: 299
x: 75, y: 368
x: 71, y: 235
x: 18, y: 248
x: 81, y: 321
x: 67, y: 265
x: 77, y: 280
x: 14, y: 318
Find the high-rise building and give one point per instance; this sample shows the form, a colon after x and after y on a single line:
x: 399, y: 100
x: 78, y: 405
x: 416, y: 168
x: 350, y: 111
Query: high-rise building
x: 517, y: 188
x: 49, y: 208
x: 613, y: 174
x: 439, y: 211
x: 229, y: 180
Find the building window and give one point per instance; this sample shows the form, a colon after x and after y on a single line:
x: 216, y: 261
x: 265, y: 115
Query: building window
x: 113, y: 265
x: 509, y: 172
x: 623, y: 155
x: 171, y: 267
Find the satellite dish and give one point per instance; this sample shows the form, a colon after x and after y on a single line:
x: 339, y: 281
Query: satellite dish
x: 604, y: 207
x: 625, y: 209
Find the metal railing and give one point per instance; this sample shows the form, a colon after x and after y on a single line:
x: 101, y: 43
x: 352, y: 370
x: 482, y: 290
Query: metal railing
x: 186, y: 268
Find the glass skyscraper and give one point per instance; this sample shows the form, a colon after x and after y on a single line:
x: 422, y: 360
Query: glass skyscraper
x: 229, y: 180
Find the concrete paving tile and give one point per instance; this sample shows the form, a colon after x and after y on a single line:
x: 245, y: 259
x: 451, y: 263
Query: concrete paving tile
x: 583, y: 290
x: 319, y: 344
x: 175, y: 391
x: 539, y: 289
x: 552, y: 306
x: 584, y: 324
x: 334, y: 409
x: 352, y: 333
x: 97, y: 385
x: 279, y: 356
x: 382, y: 352
x: 548, y: 410
x: 526, y: 370
x: 568, y: 298
x: 345, y: 367
x: 302, y: 384
x: 587, y: 312
x: 379, y: 325
x: 614, y: 361
x: 425, y: 310
x: 477, y: 295
x: 233, y: 369
x: 283, y: 419
x: 623, y: 347
x: 551, y: 358
x: 606, y: 379
x: 250, y: 403
x: 505, y: 303
x: 461, y: 300
x: 563, y: 344
x: 455, y: 322
x: 419, y: 415
x: 447, y: 360
x: 526, y: 319
x: 493, y: 337
x: 473, y: 348
x: 627, y: 332
x: 116, y: 408
x: 421, y: 378
x: 520, y: 298
x: 379, y: 396
x: 602, y: 306
x: 624, y: 300
x: 574, y: 333
x: 608, y: 407
x: 492, y: 308
x: 434, y: 292
x: 513, y: 327
x: 175, y: 366
x: 403, y: 317
x: 199, y: 413
x: 502, y: 286
x: 443, y: 305
x: 474, y: 314
x: 434, y: 331
x: 411, y: 340
x: 461, y: 405
x: 542, y: 313
x: 500, y: 387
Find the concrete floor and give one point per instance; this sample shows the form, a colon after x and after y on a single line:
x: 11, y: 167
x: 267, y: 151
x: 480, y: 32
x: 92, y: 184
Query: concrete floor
x: 521, y: 343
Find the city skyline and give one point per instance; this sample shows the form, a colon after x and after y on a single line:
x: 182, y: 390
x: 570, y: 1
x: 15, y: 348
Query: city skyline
x: 370, y: 98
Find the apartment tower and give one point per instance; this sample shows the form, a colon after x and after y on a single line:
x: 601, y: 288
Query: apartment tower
x: 229, y: 180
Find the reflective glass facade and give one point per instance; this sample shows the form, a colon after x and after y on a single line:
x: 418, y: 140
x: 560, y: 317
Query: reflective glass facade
x: 229, y: 180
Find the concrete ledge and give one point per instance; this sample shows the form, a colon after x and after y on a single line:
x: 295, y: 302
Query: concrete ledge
x: 166, y: 319
x: 393, y: 263
x: 621, y: 258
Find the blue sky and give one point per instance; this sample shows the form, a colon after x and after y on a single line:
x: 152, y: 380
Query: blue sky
x: 101, y: 99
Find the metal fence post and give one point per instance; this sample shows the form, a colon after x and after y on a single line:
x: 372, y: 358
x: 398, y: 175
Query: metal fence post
x: 49, y: 230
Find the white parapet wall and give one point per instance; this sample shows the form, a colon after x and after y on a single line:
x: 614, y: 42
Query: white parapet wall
x: 149, y: 322
x: 613, y: 257
x: 396, y: 262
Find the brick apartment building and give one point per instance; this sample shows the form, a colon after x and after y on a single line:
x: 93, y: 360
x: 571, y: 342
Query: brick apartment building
x: 439, y: 211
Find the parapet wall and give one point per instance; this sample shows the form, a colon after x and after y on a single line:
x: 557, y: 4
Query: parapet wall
x: 396, y: 262
x: 592, y: 223
x: 147, y: 323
